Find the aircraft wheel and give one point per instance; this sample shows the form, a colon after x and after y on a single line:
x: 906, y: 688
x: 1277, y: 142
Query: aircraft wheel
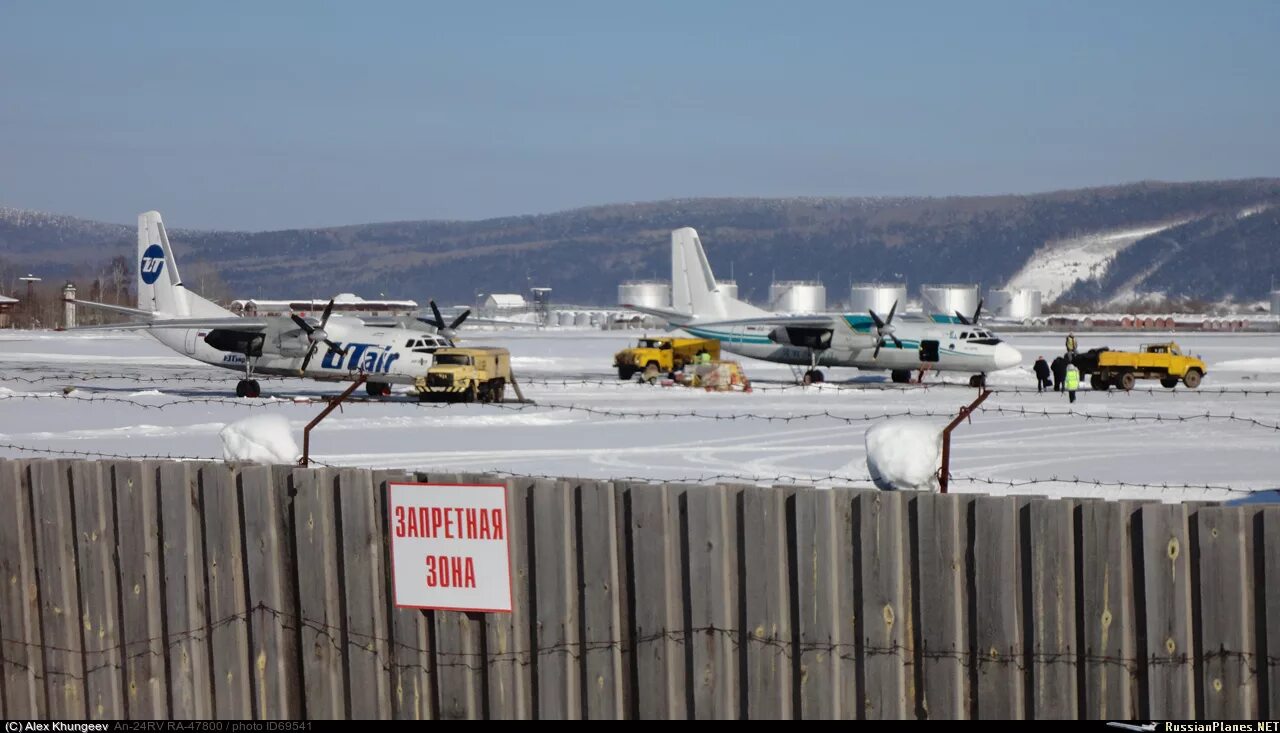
x: 377, y: 389
x: 900, y: 376
x: 978, y: 380
x: 814, y: 376
x: 242, y: 388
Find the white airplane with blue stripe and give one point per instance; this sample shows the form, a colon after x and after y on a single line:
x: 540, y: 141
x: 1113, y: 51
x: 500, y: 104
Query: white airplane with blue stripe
x: 901, y: 345
x: 326, y: 349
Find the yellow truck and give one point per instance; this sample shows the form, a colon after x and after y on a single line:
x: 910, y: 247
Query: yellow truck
x: 1165, y: 362
x: 662, y: 355
x: 466, y: 375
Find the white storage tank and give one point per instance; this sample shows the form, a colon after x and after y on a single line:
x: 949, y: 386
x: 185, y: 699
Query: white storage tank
x: 648, y: 293
x: 1275, y: 302
x: 1016, y: 303
x: 583, y: 318
x: 949, y: 298
x: 567, y: 317
x: 797, y: 296
x: 878, y: 297
x: 728, y: 288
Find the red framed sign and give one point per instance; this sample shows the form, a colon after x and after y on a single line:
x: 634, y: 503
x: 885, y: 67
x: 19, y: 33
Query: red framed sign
x: 450, y: 546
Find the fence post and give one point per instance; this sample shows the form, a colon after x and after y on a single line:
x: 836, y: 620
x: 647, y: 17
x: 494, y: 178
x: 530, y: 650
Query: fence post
x: 944, y: 473
x: 333, y: 404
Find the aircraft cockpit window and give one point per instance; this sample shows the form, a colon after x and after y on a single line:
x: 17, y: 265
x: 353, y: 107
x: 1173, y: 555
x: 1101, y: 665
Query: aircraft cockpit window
x: 964, y: 336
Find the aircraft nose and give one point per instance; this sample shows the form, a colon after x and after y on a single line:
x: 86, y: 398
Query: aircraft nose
x: 1006, y: 356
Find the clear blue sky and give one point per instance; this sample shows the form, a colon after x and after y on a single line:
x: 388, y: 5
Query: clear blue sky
x: 280, y: 114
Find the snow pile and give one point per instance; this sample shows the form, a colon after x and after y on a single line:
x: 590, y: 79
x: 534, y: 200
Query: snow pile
x: 259, y: 439
x: 904, y: 454
x: 1058, y: 265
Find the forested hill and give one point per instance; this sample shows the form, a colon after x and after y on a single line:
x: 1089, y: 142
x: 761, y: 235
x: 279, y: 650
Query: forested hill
x: 1207, y: 240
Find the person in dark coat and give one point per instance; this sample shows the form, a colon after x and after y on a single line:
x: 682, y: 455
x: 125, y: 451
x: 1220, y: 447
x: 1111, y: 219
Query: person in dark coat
x: 1042, y: 374
x: 1059, y: 370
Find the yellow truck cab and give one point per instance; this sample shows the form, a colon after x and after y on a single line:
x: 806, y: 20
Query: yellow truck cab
x: 663, y: 354
x: 467, y: 375
x: 1163, y: 361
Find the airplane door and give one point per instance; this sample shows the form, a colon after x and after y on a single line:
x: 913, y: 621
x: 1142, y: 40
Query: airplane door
x: 928, y: 351
x: 190, y: 345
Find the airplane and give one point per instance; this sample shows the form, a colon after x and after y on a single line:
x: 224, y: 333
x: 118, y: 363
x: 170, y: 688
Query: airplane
x: 287, y: 346
x: 935, y: 341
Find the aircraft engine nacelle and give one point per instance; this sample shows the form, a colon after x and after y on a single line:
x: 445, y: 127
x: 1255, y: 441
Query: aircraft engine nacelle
x: 248, y: 343
x: 804, y: 336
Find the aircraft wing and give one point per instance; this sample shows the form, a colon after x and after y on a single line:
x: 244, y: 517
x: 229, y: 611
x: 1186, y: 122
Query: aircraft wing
x: 810, y: 321
x: 232, y: 324
x: 116, y: 308
x: 670, y: 316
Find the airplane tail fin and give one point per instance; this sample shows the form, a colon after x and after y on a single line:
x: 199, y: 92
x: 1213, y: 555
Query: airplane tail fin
x: 160, y: 288
x: 693, y: 286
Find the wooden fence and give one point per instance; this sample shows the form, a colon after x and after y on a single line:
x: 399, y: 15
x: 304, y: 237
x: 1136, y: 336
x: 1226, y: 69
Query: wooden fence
x: 150, y: 590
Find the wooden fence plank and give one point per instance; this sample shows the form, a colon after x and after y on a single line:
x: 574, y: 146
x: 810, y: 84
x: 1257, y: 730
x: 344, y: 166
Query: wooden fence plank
x: 185, y: 586
x: 998, y: 604
x: 364, y: 584
x: 320, y: 593
x: 1269, y: 550
x: 825, y: 622
x: 20, y: 639
x: 886, y: 623
x: 601, y: 619
x: 459, y: 652
x: 767, y: 619
x: 227, y: 592
x: 412, y: 678
x: 1226, y: 613
x: 558, y: 643
x: 658, y: 654
x: 58, y: 578
x: 1166, y: 574
x: 1053, y: 619
x: 99, y: 590
x: 269, y: 559
x: 142, y: 603
x: 508, y: 639
x: 1109, y: 632
x: 942, y: 528
x: 712, y: 521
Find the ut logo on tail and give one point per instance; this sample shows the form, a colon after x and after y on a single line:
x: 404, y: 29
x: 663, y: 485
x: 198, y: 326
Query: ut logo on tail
x: 152, y: 264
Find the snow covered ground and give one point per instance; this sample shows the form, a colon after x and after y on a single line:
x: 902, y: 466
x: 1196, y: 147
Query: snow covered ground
x: 1059, y: 265
x: 132, y: 396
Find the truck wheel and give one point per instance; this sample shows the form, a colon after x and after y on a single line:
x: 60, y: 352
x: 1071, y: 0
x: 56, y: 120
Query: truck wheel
x: 651, y: 372
x: 626, y: 372
x: 1098, y: 383
x: 1169, y: 382
x: 1192, y: 378
x: 1126, y: 381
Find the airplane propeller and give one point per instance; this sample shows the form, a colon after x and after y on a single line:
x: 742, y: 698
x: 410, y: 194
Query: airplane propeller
x: 973, y: 321
x: 884, y: 329
x: 316, y: 335
x: 443, y: 330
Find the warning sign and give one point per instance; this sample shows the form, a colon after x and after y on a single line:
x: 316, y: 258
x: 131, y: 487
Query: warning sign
x: 449, y: 546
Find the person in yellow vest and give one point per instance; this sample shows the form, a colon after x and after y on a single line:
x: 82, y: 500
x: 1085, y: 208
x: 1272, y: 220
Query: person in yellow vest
x: 704, y: 357
x: 1071, y: 345
x: 1073, y: 382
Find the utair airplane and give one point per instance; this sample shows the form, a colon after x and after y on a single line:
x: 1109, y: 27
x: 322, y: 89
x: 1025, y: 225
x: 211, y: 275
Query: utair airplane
x: 274, y: 345
x: 867, y: 341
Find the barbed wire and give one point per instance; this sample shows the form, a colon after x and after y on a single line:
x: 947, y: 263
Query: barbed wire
x: 756, y: 385
x: 119, y: 654
x: 613, y: 413
x: 837, y: 480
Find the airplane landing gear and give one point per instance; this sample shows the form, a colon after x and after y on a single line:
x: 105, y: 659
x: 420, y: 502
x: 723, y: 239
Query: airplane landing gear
x: 900, y: 376
x: 978, y: 380
x: 377, y: 389
x: 248, y: 387
x: 814, y: 376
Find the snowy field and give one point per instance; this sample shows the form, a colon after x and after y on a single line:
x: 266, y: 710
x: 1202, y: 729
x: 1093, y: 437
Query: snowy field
x: 133, y: 397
